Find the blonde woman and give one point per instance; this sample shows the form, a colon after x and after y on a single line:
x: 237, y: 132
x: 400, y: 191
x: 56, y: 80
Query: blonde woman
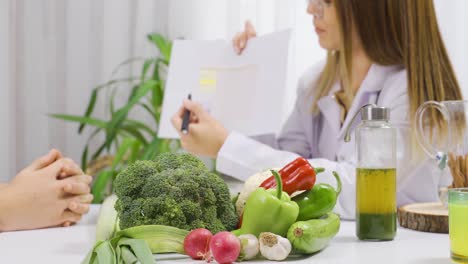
x: 387, y: 52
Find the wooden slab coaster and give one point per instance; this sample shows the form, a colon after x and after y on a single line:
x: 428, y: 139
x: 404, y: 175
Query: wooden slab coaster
x: 426, y: 217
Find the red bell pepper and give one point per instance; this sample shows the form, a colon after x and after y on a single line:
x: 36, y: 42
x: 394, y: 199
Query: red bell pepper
x: 298, y: 175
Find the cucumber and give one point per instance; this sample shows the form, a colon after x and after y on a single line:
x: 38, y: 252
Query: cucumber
x: 311, y: 236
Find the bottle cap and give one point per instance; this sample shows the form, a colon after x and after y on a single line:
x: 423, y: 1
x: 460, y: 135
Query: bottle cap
x: 375, y: 113
x: 369, y: 112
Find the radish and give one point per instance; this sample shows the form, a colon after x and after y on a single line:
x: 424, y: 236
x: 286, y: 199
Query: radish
x: 225, y: 247
x: 197, y: 242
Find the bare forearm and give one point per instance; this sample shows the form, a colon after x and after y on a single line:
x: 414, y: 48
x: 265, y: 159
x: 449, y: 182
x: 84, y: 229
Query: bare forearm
x: 10, y: 209
x: 4, y: 209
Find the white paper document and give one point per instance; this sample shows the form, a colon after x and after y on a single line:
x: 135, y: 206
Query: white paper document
x: 245, y: 93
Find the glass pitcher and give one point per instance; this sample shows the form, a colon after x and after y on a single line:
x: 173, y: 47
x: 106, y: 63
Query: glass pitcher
x: 447, y: 141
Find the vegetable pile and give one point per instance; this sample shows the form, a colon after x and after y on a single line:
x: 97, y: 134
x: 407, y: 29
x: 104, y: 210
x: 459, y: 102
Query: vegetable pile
x: 290, y: 205
x: 175, y: 190
x: 175, y: 205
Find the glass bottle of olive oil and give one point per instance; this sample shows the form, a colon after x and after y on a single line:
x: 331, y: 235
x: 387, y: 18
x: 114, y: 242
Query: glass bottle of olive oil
x: 376, y: 176
x: 376, y: 204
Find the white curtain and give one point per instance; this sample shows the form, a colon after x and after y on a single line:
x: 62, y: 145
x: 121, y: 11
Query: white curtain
x: 6, y: 109
x: 52, y: 52
x: 453, y: 23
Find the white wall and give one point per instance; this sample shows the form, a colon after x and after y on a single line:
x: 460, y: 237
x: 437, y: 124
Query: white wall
x: 453, y: 22
x: 7, y: 126
x: 202, y: 19
x: 53, y: 53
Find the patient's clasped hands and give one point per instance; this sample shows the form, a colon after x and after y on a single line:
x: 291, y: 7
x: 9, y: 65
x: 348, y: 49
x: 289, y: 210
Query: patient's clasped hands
x: 52, y: 191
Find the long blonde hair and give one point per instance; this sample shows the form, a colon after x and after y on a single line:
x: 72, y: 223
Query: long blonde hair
x: 394, y: 32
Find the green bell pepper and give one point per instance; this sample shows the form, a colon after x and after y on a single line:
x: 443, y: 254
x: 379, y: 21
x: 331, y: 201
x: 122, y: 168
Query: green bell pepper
x: 268, y: 211
x: 318, y: 201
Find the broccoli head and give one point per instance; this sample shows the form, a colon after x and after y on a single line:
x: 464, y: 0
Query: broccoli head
x: 175, y: 190
x: 170, y: 160
x: 130, y: 181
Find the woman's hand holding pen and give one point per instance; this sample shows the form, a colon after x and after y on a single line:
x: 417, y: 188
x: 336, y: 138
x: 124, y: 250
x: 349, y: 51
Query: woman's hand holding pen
x: 205, y: 134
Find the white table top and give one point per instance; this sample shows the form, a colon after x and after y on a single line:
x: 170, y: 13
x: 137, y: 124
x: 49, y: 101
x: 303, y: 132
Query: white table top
x: 70, y: 245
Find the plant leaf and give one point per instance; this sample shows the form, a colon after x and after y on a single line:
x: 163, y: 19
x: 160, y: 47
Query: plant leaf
x: 120, y: 154
x: 124, y: 63
x: 84, y: 158
x: 117, y: 81
x: 150, y: 149
x: 121, y: 114
x: 80, y: 119
x: 112, y: 100
x: 133, y: 92
x: 89, y: 108
x: 98, y: 151
x: 94, y: 94
x: 149, y: 110
x: 164, y: 46
x: 135, y: 133
x: 146, y: 65
x: 84, y: 155
x: 142, y: 91
x: 131, y: 250
x: 141, y: 126
x: 156, y: 70
x: 100, y: 184
x: 134, y: 152
x: 157, y: 98
x: 164, y: 146
x: 102, y: 252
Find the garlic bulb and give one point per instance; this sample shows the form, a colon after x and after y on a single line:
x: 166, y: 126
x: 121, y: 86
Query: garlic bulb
x: 274, y: 247
x: 250, y: 247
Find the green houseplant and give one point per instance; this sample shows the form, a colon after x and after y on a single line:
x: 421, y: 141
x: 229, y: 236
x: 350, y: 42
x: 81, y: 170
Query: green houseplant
x: 125, y: 139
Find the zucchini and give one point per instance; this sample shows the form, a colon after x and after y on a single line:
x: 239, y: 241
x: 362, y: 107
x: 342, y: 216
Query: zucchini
x: 311, y: 236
